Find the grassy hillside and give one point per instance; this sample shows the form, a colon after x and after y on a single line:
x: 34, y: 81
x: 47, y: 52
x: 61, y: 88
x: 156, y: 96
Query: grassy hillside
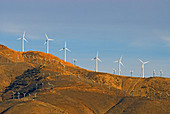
x: 36, y: 82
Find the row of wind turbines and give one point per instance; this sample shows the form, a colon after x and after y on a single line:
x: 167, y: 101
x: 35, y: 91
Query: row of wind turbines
x: 74, y: 60
x: 47, y: 44
x: 119, y: 64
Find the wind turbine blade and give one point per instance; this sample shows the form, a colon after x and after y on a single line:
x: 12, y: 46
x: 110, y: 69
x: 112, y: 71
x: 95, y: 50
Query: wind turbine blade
x: 24, y: 34
x: 99, y: 59
x: 116, y: 61
x: 121, y: 63
x: 50, y: 39
x: 74, y: 59
x: 92, y: 59
x: 19, y: 38
x: 68, y: 49
x: 46, y: 36
x: 140, y: 60
x: 120, y: 58
x: 61, y: 49
x: 146, y: 62
x: 25, y: 40
x: 45, y: 42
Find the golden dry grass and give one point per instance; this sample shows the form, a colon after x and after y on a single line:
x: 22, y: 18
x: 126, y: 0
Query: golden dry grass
x: 80, y: 93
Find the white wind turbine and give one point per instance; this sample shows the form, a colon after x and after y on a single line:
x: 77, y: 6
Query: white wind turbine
x: 23, y: 39
x: 143, y: 63
x: 161, y: 73
x: 74, y: 61
x: 96, y: 58
x: 119, y: 63
x: 114, y: 71
x: 65, y: 49
x: 47, y: 42
x: 131, y: 72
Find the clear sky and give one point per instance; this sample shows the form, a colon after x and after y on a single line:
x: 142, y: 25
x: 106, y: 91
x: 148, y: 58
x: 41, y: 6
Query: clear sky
x: 129, y: 28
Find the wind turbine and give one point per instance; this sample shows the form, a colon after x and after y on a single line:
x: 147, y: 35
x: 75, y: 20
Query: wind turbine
x: 119, y: 63
x: 131, y: 72
x: 143, y: 63
x: 74, y: 61
x: 23, y: 39
x: 47, y: 42
x: 97, y: 59
x: 154, y: 72
x: 65, y: 49
x: 161, y: 73
x: 114, y: 71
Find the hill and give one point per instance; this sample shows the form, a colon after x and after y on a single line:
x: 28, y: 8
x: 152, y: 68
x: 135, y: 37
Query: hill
x: 36, y: 82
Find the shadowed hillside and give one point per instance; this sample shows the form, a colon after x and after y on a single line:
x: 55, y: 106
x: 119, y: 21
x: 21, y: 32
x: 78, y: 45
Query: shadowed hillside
x: 36, y: 82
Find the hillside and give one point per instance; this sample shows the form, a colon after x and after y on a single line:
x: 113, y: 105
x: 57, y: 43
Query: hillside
x: 36, y: 82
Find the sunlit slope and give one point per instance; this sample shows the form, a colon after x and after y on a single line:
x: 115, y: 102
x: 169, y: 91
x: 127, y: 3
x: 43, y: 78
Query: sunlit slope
x: 54, y: 85
x: 36, y: 107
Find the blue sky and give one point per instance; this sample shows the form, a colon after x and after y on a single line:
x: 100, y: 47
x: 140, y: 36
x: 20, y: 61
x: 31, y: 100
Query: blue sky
x: 128, y: 28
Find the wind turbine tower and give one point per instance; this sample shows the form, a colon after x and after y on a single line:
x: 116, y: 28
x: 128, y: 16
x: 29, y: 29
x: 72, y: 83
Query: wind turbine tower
x: 97, y: 59
x: 131, y: 72
x: 154, y: 72
x: 161, y: 73
x: 65, y: 49
x: 114, y: 71
x: 23, y: 39
x: 74, y: 61
x: 119, y: 63
x: 47, y: 42
x: 143, y: 63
